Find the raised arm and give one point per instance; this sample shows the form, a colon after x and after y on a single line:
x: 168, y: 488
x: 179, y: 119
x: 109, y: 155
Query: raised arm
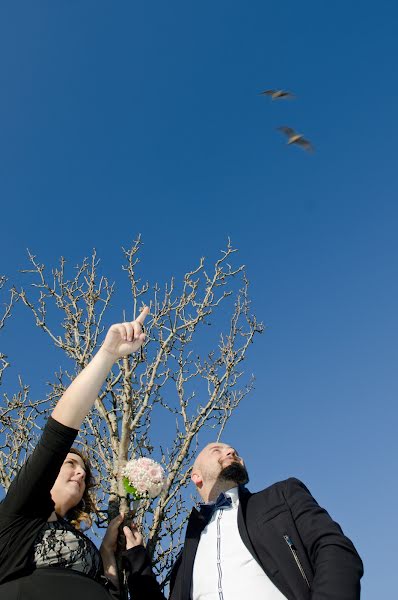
x: 122, y: 339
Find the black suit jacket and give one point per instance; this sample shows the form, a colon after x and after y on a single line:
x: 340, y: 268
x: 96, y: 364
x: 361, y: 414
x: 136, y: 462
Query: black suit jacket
x: 297, y: 544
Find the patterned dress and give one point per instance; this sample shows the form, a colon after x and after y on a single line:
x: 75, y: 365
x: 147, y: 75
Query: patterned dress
x: 41, y: 559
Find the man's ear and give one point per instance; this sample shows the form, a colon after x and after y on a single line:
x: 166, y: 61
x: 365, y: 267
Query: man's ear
x: 196, y: 478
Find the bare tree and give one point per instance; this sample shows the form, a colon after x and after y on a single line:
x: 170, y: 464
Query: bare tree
x: 5, y: 313
x: 187, y: 377
x: 17, y: 414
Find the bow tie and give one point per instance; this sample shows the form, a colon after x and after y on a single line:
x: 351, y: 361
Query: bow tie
x: 223, y: 501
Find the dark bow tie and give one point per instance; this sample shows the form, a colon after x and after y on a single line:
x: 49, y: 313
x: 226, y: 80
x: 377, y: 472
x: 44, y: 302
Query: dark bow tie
x: 223, y: 501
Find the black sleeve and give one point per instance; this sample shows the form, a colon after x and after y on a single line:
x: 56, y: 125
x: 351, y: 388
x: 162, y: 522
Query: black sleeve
x: 141, y: 581
x: 29, y: 492
x: 337, y: 565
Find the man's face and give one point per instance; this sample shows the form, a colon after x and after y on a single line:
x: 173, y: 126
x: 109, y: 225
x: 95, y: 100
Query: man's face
x: 220, y: 461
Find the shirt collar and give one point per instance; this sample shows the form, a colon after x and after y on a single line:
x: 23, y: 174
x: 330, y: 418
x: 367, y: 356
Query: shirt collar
x: 233, y: 493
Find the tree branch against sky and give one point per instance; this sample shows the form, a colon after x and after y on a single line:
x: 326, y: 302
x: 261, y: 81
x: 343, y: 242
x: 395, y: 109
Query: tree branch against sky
x: 7, y: 303
x: 188, y: 377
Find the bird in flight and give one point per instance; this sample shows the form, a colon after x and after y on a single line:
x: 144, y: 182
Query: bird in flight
x: 277, y: 94
x: 296, y: 138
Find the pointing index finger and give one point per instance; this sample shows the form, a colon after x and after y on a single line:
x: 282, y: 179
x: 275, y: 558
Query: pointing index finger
x: 143, y: 314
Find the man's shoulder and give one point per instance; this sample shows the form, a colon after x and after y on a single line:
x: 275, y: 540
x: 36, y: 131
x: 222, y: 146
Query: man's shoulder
x: 277, y: 492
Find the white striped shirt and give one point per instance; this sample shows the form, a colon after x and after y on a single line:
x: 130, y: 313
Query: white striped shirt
x: 224, y: 569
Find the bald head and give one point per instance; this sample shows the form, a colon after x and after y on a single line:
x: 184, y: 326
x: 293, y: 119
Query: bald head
x: 218, y: 467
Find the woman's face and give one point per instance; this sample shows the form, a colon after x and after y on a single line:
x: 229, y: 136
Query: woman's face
x: 70, y: 484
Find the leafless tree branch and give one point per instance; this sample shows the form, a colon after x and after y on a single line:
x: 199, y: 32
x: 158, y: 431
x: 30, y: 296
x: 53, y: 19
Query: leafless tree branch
x: 187, y: 377
x: 4, y: 315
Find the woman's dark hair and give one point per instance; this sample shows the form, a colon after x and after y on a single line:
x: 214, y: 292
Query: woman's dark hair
x: 82, y: 512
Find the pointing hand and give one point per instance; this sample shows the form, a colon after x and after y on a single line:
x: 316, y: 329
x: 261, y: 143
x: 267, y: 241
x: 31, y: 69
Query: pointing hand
x: 124, y: 338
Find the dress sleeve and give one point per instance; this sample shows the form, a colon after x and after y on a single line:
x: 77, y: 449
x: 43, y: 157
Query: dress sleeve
x: 29, y: 492
x: 142, y: 583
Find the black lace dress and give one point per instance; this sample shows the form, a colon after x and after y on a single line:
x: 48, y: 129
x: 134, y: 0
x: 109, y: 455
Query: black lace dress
x: 40, y: 559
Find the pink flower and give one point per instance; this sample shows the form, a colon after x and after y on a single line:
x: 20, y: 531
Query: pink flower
x: 146, y: 476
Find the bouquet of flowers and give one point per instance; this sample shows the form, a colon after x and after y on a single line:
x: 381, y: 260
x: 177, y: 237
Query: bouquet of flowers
x: 143, y: 478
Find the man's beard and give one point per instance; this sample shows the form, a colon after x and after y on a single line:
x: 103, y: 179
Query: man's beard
x: 234, y: 472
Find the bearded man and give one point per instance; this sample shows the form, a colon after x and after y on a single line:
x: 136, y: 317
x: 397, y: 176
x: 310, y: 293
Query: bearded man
x: 274, y: 544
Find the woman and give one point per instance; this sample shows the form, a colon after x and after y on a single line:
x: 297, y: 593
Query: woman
x: 43, y: 555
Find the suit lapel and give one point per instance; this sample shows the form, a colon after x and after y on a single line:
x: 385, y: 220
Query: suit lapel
x: 244, y: 496
x: 266, y: 562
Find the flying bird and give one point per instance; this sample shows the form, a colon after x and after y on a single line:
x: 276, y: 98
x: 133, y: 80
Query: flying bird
x: 277, y: 94
x: 296, y: 138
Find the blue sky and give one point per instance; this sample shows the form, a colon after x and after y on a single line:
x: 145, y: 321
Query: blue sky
x: 122, y: 118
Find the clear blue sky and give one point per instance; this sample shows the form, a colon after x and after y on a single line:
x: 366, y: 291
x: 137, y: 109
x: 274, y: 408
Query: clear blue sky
x: 119, y: 118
